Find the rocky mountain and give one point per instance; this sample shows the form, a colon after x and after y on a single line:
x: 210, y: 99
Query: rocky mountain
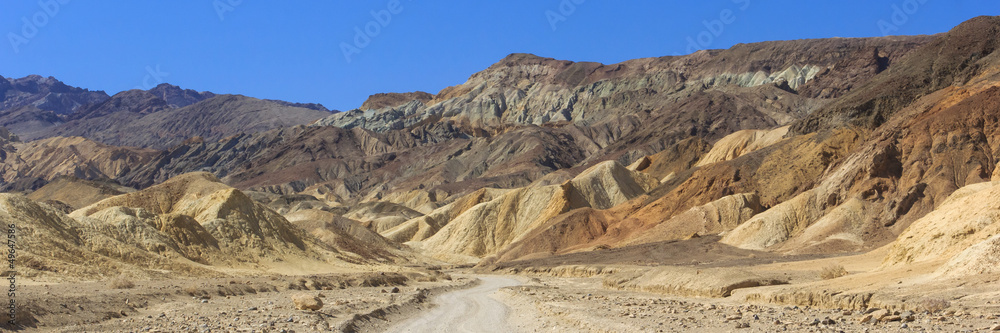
x: 127, y: 117
x: 46, y: 94
x: 787, y: 150
x: 32, y: 103
x: 451, y: 144
x: 36, y: 108
x: 177, y: 97
x: 30, y: 165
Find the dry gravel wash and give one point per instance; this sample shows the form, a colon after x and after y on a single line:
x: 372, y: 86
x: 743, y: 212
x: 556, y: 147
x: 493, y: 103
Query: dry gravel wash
x: 468, y: 310
x: 257, y: 304
x: 582, y: 305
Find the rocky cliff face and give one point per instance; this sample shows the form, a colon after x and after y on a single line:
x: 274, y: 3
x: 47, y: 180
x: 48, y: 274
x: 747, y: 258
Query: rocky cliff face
x: 33, y: 103
x: 29, y: 165
x: 144, y: 119
x: 525, y: 89
x: 38, y: 108
x: 46, y: 94
x: 545, y: 115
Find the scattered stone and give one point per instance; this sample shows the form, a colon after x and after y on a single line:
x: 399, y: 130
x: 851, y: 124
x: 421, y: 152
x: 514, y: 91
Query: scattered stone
x: 995, y: 327
x: 742, y: 325
x: 828, y: 321
x: 394, y: 290
x: 307, y: 302
x: 878, y: 315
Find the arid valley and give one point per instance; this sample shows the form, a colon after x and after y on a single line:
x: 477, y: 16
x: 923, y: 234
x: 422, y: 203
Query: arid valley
x: 815, y: 185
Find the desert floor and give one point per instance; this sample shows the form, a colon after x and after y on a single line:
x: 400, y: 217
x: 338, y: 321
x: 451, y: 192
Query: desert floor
x: 458, y: 302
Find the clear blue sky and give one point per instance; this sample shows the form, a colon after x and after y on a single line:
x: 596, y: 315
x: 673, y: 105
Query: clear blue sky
x: 292, y: 50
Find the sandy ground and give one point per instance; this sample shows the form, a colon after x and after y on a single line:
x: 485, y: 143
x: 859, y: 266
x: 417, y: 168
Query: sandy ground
x: 467, y: 310
x: 582, y: 305
x: 259, y: 304
x: 373, y: 302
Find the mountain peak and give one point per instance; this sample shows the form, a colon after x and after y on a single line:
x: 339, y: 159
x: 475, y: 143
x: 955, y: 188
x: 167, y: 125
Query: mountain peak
x: 177, y: 97
x: 385, y: 100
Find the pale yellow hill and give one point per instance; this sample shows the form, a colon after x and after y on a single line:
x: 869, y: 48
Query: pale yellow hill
x: 195, y: 217
x: 424, y: 227
x: 76, y: 192
x: 963, y: 224
x: 54, y: 247
x: 742, y: 143
x: 488, y: 227
x: 712, y: 218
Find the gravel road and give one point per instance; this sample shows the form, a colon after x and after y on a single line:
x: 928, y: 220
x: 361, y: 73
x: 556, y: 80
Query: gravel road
x: 467, y: 310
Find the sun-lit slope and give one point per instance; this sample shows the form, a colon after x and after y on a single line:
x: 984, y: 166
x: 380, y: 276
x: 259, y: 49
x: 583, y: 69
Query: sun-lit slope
x: 488, y: 227
x: 77, y: 193
x: 53, y: 246
x: 199, y: 218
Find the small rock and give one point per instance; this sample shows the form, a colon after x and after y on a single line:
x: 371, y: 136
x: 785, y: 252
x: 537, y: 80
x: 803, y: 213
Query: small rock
x: 892, y: 319
x: 904, y: 325
x: 742, y: 325
x: 995, y: 327
x: 307, y: 302
x: 828, y: 321
x: 394, y: 290
x: 878, y: 315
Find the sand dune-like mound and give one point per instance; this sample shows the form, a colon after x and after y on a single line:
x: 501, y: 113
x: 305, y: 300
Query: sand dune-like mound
x: 424, y: 227
x: 199, y: 210
x: 742, y: 143
x: 608, y: 184
x: 77, y: 193
x: 381, y: 216
x: 159, y: 234
x: 488, y: 227
x: 418, y: 200
x: 777, y: 224
x: 51, y: 245
x: 717, y: 216
x: 345, y: 234
x: 970, y: 216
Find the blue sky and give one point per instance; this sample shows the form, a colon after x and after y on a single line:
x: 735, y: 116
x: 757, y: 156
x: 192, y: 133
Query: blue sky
x: 295, y: 50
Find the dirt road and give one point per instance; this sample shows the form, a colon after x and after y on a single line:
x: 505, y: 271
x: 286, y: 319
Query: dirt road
x: 468, y: 310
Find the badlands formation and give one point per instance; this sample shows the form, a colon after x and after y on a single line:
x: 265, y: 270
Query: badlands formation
x: 835, y: 184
